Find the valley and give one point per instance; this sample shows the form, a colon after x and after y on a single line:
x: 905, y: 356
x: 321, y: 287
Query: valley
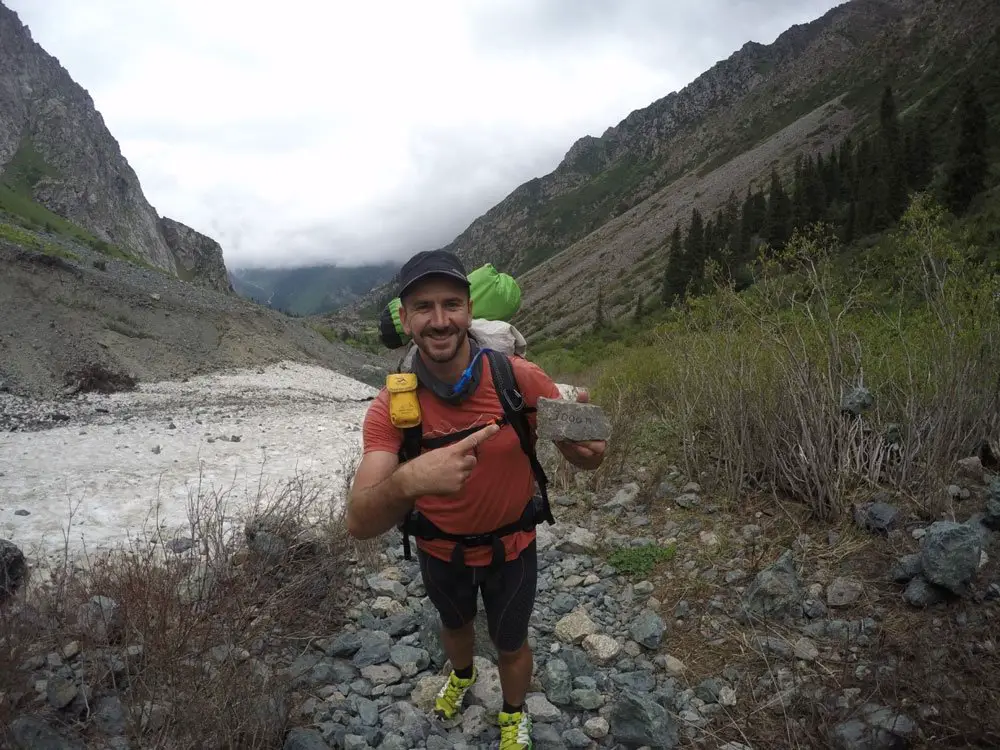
x: 781, y: 283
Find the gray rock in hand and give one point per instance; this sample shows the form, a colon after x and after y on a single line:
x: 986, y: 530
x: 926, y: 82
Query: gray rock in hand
x: 560, y: 419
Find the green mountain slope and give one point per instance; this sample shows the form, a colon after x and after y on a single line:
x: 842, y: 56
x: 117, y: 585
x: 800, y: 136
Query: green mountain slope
x: 628, y: 257
x: 613, y: 200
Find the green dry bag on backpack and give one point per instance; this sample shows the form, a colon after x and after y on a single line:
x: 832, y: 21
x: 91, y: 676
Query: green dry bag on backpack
x: 495, y: 296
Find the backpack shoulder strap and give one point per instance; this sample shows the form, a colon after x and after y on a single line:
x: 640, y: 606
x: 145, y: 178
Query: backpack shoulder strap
x: 412, y: 438
x: 515, y: 411
x: 410, y: 449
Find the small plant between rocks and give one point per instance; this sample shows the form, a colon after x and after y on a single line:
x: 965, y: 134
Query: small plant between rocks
x: 640, y: 560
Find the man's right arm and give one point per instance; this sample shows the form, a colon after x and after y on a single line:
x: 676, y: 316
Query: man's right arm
x: 380, y: 496
x: 383, y: 492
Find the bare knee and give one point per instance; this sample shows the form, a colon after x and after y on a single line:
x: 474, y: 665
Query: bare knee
x: 516, y: 655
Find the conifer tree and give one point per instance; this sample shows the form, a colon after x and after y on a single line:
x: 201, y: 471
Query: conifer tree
x: 968, y: 167
x: 850, y: 231
x: 746, y: 228
x: 816, y: 200
x: 827, y: 166
x: 865, y: 194
x: 729, y: 219
x: 752, y: 220
x: 888, y: 119
x: 800, y: 204
x: 892, y: 175
x: 710, y: 238
x: 778, y: 225
x: 695, y: 251
x: 918, y: 156
x: 845, y: 169
x: 674, y: 276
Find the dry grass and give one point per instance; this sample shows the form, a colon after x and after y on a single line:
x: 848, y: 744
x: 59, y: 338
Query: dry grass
x: 623, y: 413
x: 746, y: 393
x: 190, y: 647
x: 754, y: 387
x: 924, y: 664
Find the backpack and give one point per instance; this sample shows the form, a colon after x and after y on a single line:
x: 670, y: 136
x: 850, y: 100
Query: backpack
x: 536, y: 510
x: 495, y: 297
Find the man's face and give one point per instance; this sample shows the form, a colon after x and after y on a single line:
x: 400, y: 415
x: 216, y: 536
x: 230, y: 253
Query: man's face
x: 437, y: 314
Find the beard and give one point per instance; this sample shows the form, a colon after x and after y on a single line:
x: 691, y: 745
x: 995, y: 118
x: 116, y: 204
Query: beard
x: 432, y: 343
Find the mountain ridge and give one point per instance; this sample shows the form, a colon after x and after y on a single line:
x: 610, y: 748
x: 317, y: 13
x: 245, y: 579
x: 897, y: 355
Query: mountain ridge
x: 833, y: 65
x: 61, y: 166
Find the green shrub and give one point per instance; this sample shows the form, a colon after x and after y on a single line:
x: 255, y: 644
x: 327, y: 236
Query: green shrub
x: 31, y: 241
x: 750, y: 385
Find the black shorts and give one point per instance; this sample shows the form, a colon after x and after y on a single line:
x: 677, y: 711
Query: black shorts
x: 508, y: 599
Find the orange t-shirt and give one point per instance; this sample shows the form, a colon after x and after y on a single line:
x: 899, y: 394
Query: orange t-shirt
x: 502, y: 482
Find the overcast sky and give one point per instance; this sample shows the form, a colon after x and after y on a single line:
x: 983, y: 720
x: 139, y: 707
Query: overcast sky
x: 302, y: 131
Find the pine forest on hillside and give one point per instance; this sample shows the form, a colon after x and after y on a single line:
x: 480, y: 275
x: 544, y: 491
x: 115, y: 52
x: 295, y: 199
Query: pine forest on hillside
x: 860, y: 188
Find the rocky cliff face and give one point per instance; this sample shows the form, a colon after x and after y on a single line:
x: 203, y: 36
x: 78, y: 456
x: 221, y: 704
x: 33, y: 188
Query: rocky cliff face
x: 198, y: 258
x: 66, y: 160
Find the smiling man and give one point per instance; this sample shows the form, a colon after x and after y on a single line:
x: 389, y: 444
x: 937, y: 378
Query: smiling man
x: 472, y: 484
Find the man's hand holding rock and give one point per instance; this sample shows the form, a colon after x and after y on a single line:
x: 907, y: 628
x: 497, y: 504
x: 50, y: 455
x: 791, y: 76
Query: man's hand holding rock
x: 569, y: 428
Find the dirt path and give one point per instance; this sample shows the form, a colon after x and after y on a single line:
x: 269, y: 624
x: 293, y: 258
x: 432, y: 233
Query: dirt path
x: 126, y: 465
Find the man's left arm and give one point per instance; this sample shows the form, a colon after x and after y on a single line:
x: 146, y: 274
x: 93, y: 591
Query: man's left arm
x: 535, y: 382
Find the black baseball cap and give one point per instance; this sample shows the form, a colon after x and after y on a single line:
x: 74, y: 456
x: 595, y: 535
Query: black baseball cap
x: 431, y: 263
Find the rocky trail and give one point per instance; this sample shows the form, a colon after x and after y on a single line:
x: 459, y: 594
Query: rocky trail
x: 662, y: 620
x: 662, y: 634
x: 664, y: 617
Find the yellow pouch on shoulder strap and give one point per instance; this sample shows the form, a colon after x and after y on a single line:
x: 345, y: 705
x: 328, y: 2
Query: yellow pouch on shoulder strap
x: 404, y: 407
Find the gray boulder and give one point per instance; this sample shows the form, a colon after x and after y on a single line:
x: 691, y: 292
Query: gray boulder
x: 12, y: 569
x: 949, y: 556
x: 920, y: 593
x: 301, y: 738
x: 991, y: 520
x: 637, y: 719
x: 647, y: 629
x: 856, y: 401
x: 775, y: 592
x: 880, y: 729
x: 905, y: 569
x: 32, y: 733
x: 879, y: 517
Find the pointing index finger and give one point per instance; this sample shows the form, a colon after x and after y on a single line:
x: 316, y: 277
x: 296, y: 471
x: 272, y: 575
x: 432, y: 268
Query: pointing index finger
x: 478, y: 437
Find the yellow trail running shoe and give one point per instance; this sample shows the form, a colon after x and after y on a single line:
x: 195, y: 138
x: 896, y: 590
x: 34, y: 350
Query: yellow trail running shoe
x: 515, y: 731
x: 449, y: 699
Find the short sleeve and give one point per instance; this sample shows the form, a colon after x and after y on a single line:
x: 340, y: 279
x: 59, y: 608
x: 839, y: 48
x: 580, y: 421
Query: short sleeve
x: 533, y: 381
x: 378, y: 434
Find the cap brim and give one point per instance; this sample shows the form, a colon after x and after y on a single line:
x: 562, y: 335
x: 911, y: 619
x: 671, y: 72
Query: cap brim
x: 436, y: 272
